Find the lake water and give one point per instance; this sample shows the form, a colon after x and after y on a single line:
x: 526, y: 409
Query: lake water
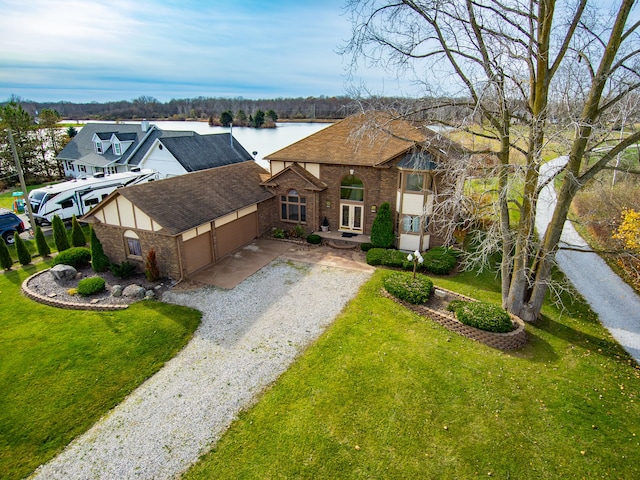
x: 261, y: 140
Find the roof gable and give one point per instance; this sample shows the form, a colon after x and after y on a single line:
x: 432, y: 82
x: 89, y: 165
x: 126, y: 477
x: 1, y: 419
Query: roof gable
x: 313, y: 183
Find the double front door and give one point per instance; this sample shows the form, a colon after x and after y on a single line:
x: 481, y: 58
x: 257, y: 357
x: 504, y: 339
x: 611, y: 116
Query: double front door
x: 351, y: 217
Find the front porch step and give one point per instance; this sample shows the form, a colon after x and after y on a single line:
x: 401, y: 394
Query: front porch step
x: 342, y: 245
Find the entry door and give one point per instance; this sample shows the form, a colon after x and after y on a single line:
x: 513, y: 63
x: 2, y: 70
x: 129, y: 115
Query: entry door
x: 351, y: 217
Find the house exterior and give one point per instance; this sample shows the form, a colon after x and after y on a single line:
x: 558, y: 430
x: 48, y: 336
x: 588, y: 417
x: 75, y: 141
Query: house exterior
x: 343, y: 176
x: 190, y: 220
x: 113, y: 148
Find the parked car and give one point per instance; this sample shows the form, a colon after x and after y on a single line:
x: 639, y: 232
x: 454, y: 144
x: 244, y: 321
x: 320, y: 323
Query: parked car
x: 9, y: 223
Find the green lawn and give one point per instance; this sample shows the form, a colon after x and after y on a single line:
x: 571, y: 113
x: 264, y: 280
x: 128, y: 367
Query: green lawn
x: 6, y: 197
x: 387, y: 394
x: 61, y: 370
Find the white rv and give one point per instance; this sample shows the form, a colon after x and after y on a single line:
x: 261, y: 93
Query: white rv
x: 76, y: 197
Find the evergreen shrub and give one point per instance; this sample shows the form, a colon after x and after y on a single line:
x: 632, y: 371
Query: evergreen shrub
x: 59, y: 234
x: 382, y: 235
x: 124, y: 270
x: 99, y: 261
x: 24, y: 257
x: 76, y: 257
x: 440, y: 260
x: 365, y: 247
x: 77, y: 235
x: 483, y: 315
x: 413, y: 290
x: 374, y: 256
x: 41, y: 243
x: 90, y: 286
x: 314, y: 239
x: 6, y: 261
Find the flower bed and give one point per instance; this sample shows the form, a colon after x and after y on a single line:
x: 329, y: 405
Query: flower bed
x: 435, y: 309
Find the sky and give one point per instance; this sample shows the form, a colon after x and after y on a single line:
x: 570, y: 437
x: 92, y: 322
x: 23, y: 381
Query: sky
x: 86, y: 50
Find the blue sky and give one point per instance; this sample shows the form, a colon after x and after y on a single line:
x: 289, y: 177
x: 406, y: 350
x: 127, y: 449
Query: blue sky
x: 84, y: 50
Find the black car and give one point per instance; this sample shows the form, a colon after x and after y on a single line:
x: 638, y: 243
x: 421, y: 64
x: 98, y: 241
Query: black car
x: 9, y: 223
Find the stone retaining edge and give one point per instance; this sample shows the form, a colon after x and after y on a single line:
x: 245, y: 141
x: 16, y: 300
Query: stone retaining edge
x: 503, y: 341
x: 52, y: 302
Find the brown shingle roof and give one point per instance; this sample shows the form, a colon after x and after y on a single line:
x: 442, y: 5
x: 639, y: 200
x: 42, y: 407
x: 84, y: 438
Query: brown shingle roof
x: 313, y: 183
x: 366, y: 139
x: 186, y: 201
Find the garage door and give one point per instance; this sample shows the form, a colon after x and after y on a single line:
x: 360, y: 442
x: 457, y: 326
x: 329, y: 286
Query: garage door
x: 198, y: 252
x: 234, y: 235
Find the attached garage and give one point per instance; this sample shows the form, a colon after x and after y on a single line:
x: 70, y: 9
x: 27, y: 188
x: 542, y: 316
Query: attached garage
x: 191, y: 220
x: 198, y: 253
x: 236, y: 233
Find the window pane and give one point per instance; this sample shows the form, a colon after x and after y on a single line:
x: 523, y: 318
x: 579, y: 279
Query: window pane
x: 293, y: 212
x: 357, y: 217
x: 415, y: 182
x: 345, y: 215
x: 283, y: 211
x: 134, y: 247
x: 303, y: 213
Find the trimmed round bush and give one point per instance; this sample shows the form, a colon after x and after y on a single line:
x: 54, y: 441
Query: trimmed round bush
x: 76, y: 257
x: 374, y: 256
x: 90, y: 286
x: 394, y: 258
x: 365, y: 247
x: 405, y: 287
x: 483, y: 315
x: 314, y: 239
x: 440, y: 260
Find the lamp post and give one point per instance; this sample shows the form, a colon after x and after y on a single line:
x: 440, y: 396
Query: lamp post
x: 416, y: 258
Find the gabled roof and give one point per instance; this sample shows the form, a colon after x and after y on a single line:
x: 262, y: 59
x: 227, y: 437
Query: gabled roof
x: 186, y: 201
x: 313, y: 183
x: 199, y: 152
x: 82, y: 149
x: 371, y: 139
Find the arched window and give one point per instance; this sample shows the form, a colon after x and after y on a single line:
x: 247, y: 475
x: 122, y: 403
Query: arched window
x: 293, y: 207
x: 132, y: 244
x: 352, y: 189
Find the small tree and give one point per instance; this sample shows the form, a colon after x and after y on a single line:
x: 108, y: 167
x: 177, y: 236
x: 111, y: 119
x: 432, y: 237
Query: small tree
x: 77, y: 235
x: 59, y: 234
x: 629, y: 230
x: 71, y: 131
x: 41, y: 243
x: 24, y: 257
x: 226, y: 118
x: 382, y: 229
x: 99, y: 261
x: 271, y: 115
x: 151, y: 266
x: 258, y: 119
x: 5, y: 257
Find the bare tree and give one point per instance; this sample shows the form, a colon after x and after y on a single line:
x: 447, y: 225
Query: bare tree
x: 527, y: 73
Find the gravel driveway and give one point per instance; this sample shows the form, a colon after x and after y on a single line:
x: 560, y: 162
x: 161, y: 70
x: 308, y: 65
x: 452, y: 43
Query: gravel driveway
x: 248, y: 337
x: 615, y: 302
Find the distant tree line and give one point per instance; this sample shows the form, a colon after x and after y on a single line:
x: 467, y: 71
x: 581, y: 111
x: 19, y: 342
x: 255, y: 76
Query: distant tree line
x: 200, y: 108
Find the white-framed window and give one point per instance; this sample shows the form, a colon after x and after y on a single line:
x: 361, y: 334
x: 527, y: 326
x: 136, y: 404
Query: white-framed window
x: 132, y: 245
x: 98, y: 147
x: 70, y: 166
x: 117, y: 149
x: 82, y: 168
x: 293, y: 207
x: 417, y: 182
x: 412, y: 223
x: 111, y: 170
x: 352, y: 188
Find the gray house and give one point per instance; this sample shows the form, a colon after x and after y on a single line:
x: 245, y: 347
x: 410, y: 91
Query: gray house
x: 112, y: 148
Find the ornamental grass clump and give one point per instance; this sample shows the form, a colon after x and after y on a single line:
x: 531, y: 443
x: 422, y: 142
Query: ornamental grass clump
x: 482, y: 315
x: 90, y: 286
x: 405, y: 287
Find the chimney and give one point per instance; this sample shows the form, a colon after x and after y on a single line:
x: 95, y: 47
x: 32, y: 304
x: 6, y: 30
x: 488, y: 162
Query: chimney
x: 144, y: 125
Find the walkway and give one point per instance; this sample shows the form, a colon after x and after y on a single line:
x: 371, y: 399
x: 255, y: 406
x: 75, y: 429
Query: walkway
x: 615, y: 302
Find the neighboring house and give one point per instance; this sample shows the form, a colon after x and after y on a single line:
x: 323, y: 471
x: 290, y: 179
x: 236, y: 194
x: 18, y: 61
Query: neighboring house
x: 191, y: 220
x: 339, y: 174
x: 113, y: 148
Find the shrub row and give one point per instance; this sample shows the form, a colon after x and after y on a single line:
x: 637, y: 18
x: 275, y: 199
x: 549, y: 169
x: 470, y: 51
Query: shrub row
x: 483, y: 315
x: 413, y: 290
x: 438, y: 260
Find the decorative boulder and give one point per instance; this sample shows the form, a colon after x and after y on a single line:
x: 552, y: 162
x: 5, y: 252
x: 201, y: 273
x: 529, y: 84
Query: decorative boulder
x: 134, y: 291
x: 150, y: 295
x: 116, y: 291
x: 63, y: 272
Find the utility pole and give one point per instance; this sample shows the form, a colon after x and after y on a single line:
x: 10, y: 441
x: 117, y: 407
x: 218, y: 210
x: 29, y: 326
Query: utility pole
x: 32, y: 222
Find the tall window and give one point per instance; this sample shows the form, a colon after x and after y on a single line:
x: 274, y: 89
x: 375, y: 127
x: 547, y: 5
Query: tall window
x: 293, y: 207
x: 116, y: 148
x: 132, y: 244
x: 98, y: 147
x: 352, y: 189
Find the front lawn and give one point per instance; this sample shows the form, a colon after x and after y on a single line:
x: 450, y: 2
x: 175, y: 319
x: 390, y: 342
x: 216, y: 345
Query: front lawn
x: 387, y: 394
x: 61, y: 370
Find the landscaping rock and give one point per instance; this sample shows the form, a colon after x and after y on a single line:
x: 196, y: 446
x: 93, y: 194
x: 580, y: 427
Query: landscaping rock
x: 134, y: 291
x: 116, y: 291
x: 150, y: 294
x: 63, y: 273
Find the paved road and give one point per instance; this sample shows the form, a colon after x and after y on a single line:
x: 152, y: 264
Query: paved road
x: 617, y: 305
